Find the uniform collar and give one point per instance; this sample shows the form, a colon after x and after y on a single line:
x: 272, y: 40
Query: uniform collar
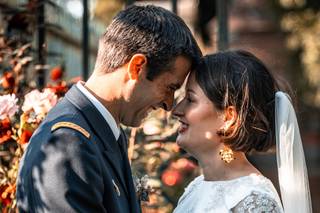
x: 102, y: 109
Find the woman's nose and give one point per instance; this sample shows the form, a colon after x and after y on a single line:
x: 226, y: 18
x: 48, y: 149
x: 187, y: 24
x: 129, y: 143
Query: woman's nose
x: 177, y: 110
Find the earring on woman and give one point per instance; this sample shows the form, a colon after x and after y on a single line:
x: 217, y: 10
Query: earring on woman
x: 226, y: 154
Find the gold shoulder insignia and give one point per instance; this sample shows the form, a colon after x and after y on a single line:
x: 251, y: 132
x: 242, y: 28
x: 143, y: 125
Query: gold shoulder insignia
x: 71, y: 126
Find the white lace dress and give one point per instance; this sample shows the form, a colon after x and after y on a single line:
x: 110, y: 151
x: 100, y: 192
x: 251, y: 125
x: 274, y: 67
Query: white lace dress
x: 253, y: 193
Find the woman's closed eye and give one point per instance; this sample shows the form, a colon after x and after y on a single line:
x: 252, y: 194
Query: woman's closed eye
x: 189, y: 99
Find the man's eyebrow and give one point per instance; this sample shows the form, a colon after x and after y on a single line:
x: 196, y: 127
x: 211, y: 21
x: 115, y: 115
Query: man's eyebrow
x: 176, y: 85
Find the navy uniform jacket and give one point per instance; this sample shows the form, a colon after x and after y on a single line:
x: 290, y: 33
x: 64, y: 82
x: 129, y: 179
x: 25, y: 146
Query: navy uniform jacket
x: 73, y: 163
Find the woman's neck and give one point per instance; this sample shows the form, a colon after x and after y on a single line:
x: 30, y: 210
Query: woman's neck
x: 215, y: 169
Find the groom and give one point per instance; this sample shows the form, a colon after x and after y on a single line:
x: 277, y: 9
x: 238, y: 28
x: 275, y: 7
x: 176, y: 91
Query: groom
x: 77, y: 159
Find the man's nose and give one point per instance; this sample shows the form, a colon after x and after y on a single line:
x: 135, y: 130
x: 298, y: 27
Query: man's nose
x: 168, y: 103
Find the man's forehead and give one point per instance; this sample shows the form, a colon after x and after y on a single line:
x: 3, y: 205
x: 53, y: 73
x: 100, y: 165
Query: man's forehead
x: 178, y: 72
x: 182, y: 76
x: 181, y: 68
x: 179, y: 78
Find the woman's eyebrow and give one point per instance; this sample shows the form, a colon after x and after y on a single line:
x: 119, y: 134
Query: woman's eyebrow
x: 191, y: 91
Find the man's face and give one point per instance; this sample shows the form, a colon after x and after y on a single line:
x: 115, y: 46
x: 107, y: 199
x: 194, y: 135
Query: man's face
x: 159, y: 93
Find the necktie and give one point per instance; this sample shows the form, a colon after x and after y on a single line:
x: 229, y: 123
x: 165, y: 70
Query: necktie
x: 127, y: 171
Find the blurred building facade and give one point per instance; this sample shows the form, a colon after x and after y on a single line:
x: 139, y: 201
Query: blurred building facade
x: 63, y: 36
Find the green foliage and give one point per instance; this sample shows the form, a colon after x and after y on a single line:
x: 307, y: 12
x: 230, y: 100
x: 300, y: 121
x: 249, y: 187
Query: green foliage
x: 301, y: 20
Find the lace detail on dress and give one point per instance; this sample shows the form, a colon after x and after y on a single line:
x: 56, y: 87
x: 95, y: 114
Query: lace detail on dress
x: 249, y: 194
x: 256, y: 203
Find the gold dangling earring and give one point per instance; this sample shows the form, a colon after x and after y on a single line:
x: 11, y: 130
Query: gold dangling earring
x: 226, y: 154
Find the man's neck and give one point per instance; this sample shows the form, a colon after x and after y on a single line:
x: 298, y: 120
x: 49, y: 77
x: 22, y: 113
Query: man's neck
x: 107, y: 93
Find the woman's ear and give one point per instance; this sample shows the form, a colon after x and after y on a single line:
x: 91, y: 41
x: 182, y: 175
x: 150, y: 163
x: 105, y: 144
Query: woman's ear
x: 230, y: 121
x: 136, y: 64
x: 230, y: 116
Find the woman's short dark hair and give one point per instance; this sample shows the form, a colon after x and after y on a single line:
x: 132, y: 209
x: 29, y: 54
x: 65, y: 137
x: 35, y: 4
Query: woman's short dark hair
x: 239, y: 79
x: 150, y: 30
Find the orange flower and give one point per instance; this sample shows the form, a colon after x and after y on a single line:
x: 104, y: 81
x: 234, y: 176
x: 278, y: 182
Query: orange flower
x: 171, y: 177
x: 5, y: 130
x: 56, y: 73
x: 25, y: 137
x: 8, y: 80
x: 60, y: 89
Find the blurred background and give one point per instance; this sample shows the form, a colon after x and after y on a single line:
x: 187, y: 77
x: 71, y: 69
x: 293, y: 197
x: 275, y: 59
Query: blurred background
x: 63, y: 38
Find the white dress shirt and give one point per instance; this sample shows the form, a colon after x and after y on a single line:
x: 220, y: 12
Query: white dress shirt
x: 102, y: 109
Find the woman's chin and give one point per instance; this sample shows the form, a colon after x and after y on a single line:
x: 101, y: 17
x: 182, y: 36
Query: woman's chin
x: 179, y: 141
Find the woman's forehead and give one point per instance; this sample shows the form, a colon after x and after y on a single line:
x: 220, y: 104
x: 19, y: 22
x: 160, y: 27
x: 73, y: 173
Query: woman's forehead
x: 191, y: 80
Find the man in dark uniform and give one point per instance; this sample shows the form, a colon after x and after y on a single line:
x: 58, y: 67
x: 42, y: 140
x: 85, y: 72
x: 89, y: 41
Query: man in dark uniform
x: 77, y: 159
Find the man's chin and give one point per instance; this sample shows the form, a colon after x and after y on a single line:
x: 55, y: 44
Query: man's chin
x: 135, y: 123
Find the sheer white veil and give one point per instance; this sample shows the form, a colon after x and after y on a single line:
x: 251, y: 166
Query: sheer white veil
x: 292, y: 170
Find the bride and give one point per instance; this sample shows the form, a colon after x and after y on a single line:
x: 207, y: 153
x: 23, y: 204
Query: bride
x: 234, y: 106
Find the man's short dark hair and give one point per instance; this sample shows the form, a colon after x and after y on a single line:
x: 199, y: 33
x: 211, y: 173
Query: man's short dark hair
x: 150, y: 30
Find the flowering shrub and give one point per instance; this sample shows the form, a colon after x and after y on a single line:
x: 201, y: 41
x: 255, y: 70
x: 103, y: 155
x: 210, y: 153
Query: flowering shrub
x: 22, y: 108
x: 16, y: 128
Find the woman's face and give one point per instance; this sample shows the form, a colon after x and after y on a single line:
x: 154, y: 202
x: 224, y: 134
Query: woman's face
x: 200, y: 120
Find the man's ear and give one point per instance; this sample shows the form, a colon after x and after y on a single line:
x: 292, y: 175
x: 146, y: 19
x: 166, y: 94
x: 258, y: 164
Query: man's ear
x: 136, y: 65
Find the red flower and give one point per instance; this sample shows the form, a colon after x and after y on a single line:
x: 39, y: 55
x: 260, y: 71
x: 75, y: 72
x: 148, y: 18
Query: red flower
x: 56, y: 73
x: 5, y: 192
x: 5, y: 130
x: 171, y: 177
x: 8, y: 80
x: 25, y: 136
x: 60, y: 89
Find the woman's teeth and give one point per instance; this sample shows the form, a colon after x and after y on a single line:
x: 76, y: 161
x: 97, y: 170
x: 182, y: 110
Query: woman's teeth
x: 183, y: 127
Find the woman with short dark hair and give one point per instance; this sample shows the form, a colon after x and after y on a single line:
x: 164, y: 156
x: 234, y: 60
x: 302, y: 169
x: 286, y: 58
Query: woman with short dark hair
x: 233, y: 105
